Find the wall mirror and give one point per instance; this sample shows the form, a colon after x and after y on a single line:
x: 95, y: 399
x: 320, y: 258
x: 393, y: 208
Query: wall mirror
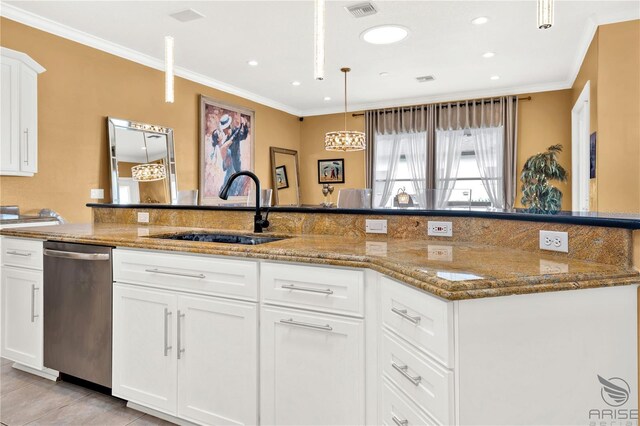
x: 143, y: 169
x: 285, y: 176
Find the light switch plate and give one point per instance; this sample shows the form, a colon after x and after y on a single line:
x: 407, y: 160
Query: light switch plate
x: 143, y: 217
x: 439, y: 229
x: 376, y: 226
x: 554, y: 241
x: 97, y: 194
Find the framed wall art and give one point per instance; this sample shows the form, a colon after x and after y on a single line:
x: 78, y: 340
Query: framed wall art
x: 331, y: 171
x: 227, y: 145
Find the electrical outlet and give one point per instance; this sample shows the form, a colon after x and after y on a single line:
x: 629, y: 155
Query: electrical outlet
x: 554, y: 241
x: 439, y: 229
x: 97, y: 194
x: 143, y: 217
x: 374, y: 226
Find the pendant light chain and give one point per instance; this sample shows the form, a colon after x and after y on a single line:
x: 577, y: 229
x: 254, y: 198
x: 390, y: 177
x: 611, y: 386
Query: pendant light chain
x: 345, y: 100
x: 345, y: 140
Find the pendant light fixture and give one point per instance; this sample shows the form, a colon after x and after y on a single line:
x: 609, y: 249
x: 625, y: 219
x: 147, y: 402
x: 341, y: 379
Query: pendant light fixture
x: 149, y: 171
x: 545, y: 14
x: 168, y: 69
x: 319, y: 36
x: 344, y: 140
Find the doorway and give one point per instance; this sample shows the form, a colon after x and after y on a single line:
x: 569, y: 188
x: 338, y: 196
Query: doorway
x: 580, y: 151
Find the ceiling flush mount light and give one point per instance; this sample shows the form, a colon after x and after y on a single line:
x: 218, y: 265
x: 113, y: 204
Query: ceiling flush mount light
x: 385, y: 34
x: 168, y: 69
x: 344, y: 140
x: 149, y: 171
x: 252, y: 63
x: 383, y: 74
x: 295, y: 83
x: 545, y: 14
x: 480, y: 20
x: 495, y: 77
x: 318, y: 40
x: 488, y: 55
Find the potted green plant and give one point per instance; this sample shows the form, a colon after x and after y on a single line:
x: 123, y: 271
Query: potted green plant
x: 538, y: 194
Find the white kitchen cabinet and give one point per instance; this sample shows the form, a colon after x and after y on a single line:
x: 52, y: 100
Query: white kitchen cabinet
x: 144, y: 349
x: 22, y: 338
x: 312, y: 368
x: 218, y: 365
x: 19, y: 103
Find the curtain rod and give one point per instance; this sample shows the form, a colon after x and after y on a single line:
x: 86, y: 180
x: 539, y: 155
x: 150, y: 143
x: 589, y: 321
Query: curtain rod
x: 528, y: 98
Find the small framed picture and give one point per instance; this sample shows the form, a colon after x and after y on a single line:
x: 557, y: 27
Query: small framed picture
x: 281, y: 177
x: 331, y: 171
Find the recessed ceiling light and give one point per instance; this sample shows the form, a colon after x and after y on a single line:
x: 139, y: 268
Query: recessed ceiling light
x: 383, y: 74
x: 327, y: 98
x: 385, y: 34
x: 252, y: 63
x: 295, y: 83
x: 495, y: 77
x: 488, y: 55
x: 480, y: 20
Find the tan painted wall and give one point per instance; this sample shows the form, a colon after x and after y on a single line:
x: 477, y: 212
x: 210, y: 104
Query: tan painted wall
x: 618, y: 168
x: 543, y: 121
x: 312, y: 150
x: 80, y: 88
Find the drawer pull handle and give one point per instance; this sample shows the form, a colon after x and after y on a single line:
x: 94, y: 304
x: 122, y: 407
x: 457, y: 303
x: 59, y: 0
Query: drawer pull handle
x: 403, y: 314
x: 33, y: 302
x: 291, y: 321
x: 402, y: 369
x: 307, y: 289
x: 167, y: 347
x: 179, y: 274
x: 76, y: 255
x: 17, y: 253
x: 180, y: 350
x: 399, y: 422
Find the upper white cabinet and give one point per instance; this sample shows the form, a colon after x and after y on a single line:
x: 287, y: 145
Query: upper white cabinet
x: 19, y: 104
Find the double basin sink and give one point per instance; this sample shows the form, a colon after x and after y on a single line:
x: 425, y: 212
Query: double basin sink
x: 204, y: 237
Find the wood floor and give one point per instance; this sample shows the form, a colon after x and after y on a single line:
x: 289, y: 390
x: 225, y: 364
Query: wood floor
x: 28, y: 399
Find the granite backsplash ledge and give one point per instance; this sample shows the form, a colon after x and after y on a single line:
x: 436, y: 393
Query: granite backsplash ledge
x: 607, y: 245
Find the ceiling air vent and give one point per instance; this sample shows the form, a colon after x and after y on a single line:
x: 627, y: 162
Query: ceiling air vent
x: 361, y: 10
x: 187, y: 15
x: 425, y: 78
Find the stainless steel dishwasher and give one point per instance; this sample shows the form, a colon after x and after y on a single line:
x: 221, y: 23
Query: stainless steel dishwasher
x: 77, y: 310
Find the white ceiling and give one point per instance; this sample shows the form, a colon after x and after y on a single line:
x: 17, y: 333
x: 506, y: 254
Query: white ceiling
x: 279, y: 34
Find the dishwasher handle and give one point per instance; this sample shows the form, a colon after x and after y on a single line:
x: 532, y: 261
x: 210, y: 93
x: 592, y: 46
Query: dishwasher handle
x: 76, y: 255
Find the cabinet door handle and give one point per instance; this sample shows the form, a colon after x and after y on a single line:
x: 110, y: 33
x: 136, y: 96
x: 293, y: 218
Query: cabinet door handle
x: 17, y: 253
x: 307, y: 289
x: 291, y: 321
x: 33, y: 302
x: 167, y: 347
x: 403, y: 314
x: 180, y: 349
x: 399, y: 422
x: 26, y: 134
x: 402, y: 369
x: 179, y: 274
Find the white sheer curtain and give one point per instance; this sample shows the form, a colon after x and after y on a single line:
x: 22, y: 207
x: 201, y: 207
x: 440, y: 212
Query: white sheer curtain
x: 448, y: 152
x: 390, y: 149
x: 489, y: 148
x: 387, y: 154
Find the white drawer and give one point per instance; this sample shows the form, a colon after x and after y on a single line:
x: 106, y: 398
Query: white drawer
x: 423, y: 320
x: 317, y: 288
x: 200, y: 274
x: 397, y: 410
x: 427, y: 383
x: 22, y: 253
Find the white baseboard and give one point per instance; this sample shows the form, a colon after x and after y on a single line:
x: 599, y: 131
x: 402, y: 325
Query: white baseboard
x: 46, y: 373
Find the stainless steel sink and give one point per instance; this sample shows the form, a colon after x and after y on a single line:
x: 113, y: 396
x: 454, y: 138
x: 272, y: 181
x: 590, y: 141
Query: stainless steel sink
x: 220, y: 238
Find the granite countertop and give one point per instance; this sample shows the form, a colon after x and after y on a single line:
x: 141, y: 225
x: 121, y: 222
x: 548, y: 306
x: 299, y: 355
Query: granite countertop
x: 10, y: 219
x: 453, y: 271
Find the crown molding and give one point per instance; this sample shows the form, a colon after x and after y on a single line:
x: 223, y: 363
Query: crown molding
x: 36, y: 21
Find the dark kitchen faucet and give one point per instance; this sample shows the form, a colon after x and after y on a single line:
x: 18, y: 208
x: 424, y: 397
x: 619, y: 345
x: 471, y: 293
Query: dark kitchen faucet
x: 258, y: 222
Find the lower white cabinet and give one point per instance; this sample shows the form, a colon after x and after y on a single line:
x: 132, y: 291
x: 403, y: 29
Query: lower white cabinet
x: 312, y: 368
x: 22, y: 338
x: 189, y: 356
